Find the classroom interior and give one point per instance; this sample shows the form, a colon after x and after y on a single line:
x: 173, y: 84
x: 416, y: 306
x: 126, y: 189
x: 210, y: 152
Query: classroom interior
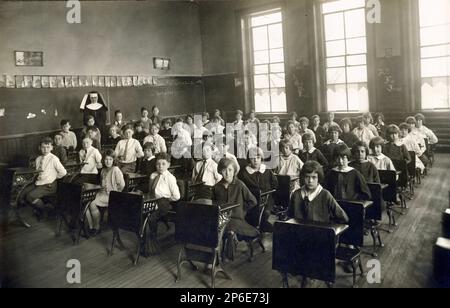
x: 275, y: 57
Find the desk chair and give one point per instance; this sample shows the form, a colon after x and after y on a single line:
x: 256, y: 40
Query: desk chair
x: 282, y: 195
x: 390, y: 194
x: 306, y: 249
x: 130, y: 212
x: 200, y: 228
x: 402, y: 182
x: 374, y: 214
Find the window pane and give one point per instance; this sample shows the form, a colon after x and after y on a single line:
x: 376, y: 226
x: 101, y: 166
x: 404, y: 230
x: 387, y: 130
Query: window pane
x: 335, y: 48
x: 355, y: 23
x: 260, y: 41
x: 337, y: 97
x: 336, y: 75
x: 277, y: 68
x: 278, y: 97
x: 266, y: 19
x: 334, y: 26
x: 435, y: 35
x: 435, y: 51
x: 356, y: 74
x: 435, y: 93
x: 261, y: 81
x: 277, y: 80
x: 434, y: 13
x: 358, y: 97
x: 336, y: 62
x: 262, y: 100
x: 342, y: 5
x: 261, y: 57
x: 436, y: 67
x: 275, y: 36
x: 261, y: 69
x: 356, y: 46
x: 357, y: 60
x: 277, y: 55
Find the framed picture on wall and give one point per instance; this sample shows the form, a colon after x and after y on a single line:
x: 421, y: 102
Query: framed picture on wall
x: 29, y: 58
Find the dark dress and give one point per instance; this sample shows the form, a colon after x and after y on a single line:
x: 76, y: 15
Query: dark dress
x: 237, y: 193
x: 321, y: 135
x: 259, y: 183
x: 146, y: 167
x: 112, y: 142
x: 367, y: 170
x: 314, y: 156
x: 349, y: 186
x: 396, y: 152
x: 328, y: 149
x: 61, y: 153
x: 349, y: 139
x: 324, y: 208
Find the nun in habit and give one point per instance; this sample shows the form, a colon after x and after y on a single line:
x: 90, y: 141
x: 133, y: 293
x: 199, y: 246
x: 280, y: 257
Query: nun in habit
x: 94, y: 104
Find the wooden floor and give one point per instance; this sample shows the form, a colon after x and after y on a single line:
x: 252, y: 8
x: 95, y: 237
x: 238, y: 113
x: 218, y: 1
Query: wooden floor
x: 36, y: 258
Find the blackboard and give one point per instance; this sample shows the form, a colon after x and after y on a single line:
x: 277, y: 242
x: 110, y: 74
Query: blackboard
x: 173, y: 99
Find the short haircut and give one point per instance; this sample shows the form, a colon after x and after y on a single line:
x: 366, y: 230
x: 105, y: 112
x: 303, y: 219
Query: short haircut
x: 330, y: 113
x: 307, y: 137
x: 149, y: 145
x: 143, y: 109
x: 403, y: 126
x: 138, y: 124
x: 334, y: 128
x: 46, y: 140
x: 276, y: 119
x: 127, y: 127
x: 419, y: 117
x: 90, y: 117
x: 359, y: 120
x: 293, y: 114
x: 117, y: 112
x: 254, y: 152
x: 154, y: 124
x: 286, y: 142
x: 218, y: 111
x: 189, y: 116
x: 304, y: 120
x: 58, y: 134
x: 315, y: 117
x: 367, y: 115
x: 411, y: 120
x: 360, y: 144
x: 64, y: 122
x: 392, y: 129
x: 340, y: 151
x: 379, y: 115
x: 224, y: 163
x: 162, y: 156
x: 205, y: 114
x: 110, y: 153
x: 166, y: 121
x: 154, y: 107
x: 290, y: 123
x: 375, y: 142
x: 312, y: 167
x: 91, y: 129
x: 239, y: 112
x: 346, y: 121
x: 179, y: 120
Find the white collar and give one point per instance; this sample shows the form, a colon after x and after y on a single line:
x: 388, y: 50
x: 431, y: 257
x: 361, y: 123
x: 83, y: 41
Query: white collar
x: 337, y: 142
x: 312, y: 195
x: 150, y: 158
x: 310, y: 151
x: 346, y: 170
x: 262, y: 169
x: 379, y: 157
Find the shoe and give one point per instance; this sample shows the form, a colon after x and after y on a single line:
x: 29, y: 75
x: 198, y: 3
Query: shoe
x: 94, y: 232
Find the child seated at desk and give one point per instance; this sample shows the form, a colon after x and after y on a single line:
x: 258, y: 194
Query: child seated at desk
x: 345, y: 182
x: 59, y: 150
x: 411, y: 145
x: 155, y: 115
x: 329, y: 146
x: 114, y: 136
x: 147, y: 164
x: 318, y: 130
x: 294, y: 137
x: 139, y: 133
x: 93, y: 133
x: 310, y: 153
x: 224, y: 153
x: 312, y: 202
x: 69, y: 138
x: 163, y: 188
x: 111, y: 180
x: 347, y: 135
x: 91, y: 124
x: 364, y: 133
x: 166, y: 129
x: 381, y: 161
x: 395, y: 149
x: 230, y: 190
x: 128, y: 151
x: 91, y: 161
x: 259, y: 180
x: 360, y: 153
x: 50, y: 169
x: 157, y: 140
x: 205, y: 171
x: 145, y: 120
x: 303, y: 128
x: 289, y: 164
x: 118, y: 119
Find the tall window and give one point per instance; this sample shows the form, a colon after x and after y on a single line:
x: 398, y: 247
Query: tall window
x: 267, y: 61
x: 435, y: 53
x: 346, y: 55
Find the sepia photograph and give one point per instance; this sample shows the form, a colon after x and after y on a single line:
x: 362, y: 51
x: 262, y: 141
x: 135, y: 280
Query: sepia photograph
x: 228, y: 151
